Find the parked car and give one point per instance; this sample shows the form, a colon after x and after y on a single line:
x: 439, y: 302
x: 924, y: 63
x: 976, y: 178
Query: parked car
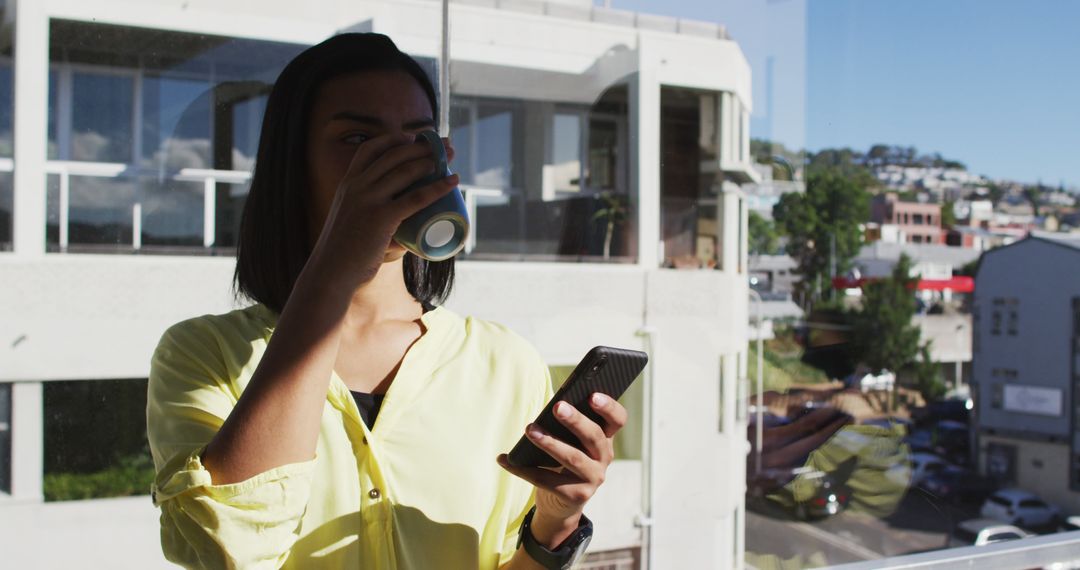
x: 924, y: 465
x: 1020, y: 508
x: 958, y: 485
x: 977, y: 532
x: 1071, y: 523
x: 812, y: 495
x: 920, y: 441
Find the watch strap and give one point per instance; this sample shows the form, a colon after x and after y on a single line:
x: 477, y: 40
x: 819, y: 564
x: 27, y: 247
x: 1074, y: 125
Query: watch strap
x: 563, y: 555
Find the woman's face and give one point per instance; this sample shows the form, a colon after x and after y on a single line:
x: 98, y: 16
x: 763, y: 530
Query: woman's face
x: 348, y: 110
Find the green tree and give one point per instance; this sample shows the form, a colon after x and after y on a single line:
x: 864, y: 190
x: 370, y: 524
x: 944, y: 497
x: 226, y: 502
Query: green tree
x: 822, y: 225
x: 928, y: 378
x: 883, y: 337
x: 1033, y: 194
x: 763, y: 235
x: 948, y: 215
x: 996, y: 192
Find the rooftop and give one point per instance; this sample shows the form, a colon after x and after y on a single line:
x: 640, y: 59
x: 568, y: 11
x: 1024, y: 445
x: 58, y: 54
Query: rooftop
x: 1070, y: 240
x: 584, y: 11
x: 933, y: 253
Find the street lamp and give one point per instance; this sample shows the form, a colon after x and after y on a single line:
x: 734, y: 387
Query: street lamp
x: 958, y: 376
x: 759, y: 411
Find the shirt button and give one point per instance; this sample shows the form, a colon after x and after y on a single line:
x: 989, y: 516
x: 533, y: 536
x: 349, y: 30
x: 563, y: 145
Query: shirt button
x: 374, y: 494
x: 365, y: 440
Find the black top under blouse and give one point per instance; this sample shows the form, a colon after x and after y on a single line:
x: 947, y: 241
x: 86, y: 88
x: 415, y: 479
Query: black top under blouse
x: 368, y: 405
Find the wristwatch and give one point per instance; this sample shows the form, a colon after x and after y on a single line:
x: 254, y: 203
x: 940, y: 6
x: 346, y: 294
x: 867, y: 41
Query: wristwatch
x: 566, y: 554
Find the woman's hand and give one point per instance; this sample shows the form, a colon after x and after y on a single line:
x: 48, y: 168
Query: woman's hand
x: 368, y: 208
x: 561, y: 494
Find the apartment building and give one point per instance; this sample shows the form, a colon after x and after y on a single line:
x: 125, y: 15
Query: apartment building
x: 1024, y: 371
x: 127, y: 134
x: 906, y: 222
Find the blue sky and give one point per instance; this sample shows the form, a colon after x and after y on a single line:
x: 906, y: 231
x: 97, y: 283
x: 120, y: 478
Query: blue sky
x: 992, y: 83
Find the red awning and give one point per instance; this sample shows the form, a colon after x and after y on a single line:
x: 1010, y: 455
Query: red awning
x: 957, y: 284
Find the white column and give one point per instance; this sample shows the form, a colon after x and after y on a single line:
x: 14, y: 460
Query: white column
x: 27, y: 441
x: 645, y: 158
x: 209, y: 212
x: 31, y: 127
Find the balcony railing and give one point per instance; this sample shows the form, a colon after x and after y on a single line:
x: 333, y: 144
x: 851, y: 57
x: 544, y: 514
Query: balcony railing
x: 209, y: 178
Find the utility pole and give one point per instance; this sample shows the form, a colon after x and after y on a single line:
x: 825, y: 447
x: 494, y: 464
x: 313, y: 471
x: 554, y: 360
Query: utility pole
x: 832, y: 264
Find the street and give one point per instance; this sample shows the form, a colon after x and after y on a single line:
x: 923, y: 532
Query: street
x: 918, y: 525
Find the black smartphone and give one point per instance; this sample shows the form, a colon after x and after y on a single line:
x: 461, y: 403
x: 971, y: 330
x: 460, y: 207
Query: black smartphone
x: 604, y: 369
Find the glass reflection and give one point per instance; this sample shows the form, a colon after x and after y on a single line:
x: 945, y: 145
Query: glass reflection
x: 153, y: 129
x: 101, y: 116
x: 549, y: 181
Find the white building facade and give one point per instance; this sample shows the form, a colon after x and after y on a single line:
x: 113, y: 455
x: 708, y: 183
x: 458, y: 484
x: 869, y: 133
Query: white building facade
x: 125, y: 150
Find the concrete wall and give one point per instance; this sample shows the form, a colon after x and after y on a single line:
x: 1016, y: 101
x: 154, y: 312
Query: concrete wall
x: 83, y: 317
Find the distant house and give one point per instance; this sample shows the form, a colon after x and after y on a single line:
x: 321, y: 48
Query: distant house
x: 1026, y: 366
x: 914, y: 222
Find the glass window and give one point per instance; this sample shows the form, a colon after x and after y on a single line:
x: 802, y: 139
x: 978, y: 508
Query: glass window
x: 5, y: 437
x: 6, y: 105
x: 494, y: 164
x: 176, y: 122
x: 529, y: 190
x: 461, y: 135
x: 166, y: 116
x: 172, y: 213
x: 86, y: 458
x: 7, y: 207
x: 101, y: 212
x: 101, y: 116
x: 604, y: 150
x: 691, y: 199
x: 566, y: 152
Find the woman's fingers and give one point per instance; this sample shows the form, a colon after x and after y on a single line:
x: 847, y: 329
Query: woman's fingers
x: 370, y: 151
x: 571, y: 458
x: 592, y: 436
x: 410, y: 203
x: 395, y: 159
x: 611, y: 410
x: 568, y: 485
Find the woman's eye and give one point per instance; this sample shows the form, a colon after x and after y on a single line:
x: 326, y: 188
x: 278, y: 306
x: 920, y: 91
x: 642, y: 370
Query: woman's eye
x: 354, y: 138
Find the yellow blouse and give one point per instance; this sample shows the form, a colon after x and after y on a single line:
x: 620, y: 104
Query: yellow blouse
x: 420, y: 490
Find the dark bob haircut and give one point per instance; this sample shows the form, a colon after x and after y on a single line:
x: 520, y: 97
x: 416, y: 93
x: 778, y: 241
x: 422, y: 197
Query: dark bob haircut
x: 273, y: 242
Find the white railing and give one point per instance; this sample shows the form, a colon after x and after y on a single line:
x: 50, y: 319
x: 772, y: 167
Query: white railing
x: 209, y: 178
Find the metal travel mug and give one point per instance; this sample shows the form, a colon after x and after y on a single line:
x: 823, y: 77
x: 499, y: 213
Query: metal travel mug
x: 439, y: 231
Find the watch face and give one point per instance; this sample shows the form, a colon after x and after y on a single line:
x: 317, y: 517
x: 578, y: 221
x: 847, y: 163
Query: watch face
x: 579, y: 552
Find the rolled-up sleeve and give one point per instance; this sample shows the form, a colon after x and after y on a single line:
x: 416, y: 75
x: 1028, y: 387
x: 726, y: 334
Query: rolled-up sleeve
x: 249, y: 524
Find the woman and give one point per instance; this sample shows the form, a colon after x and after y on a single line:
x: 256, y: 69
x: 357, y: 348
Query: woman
x: 344, y: 420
